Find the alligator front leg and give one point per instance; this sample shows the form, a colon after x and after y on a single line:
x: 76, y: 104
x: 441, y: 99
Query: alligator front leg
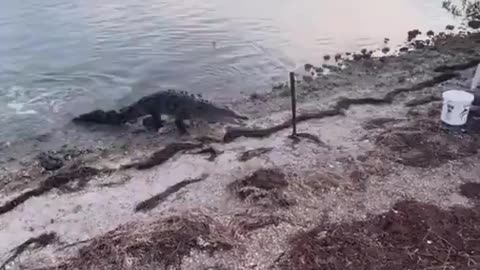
x: 157, y: 121
x: 180, y: 115
x: 182, y: 128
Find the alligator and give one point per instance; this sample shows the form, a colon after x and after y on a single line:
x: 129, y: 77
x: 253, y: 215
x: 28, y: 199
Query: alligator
x: 179, y: 104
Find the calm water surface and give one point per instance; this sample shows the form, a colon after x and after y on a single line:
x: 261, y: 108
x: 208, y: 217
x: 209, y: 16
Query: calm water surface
x: 64, y: 57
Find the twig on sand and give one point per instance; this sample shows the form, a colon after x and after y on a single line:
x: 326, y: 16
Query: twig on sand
x: 249, y: 154
x: 42, y: 240
x: 310, y: 137
x: 422, y: 101
x: 60, y: 179
x: 154, y: 201
x: 162, y: 155
x: 210, y: 150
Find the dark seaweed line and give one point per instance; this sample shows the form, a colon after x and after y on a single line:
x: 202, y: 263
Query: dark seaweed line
x: 423, y: 101
x: 54, y: 181
x: 162, y: 155
x: 154, y: 201
x: 42, y: 240
x: 342, y: 104
x: 457, y: 67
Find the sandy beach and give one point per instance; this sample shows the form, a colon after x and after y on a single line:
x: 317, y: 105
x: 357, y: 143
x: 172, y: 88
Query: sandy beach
x: 376, y: 184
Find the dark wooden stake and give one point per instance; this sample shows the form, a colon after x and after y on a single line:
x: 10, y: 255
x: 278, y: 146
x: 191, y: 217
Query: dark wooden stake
x: 294, y: 104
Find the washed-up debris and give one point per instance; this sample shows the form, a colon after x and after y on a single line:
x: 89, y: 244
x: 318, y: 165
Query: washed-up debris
x: 377, y: 123
x: 244, y: 223
x: 211, y: 151
x: 298, y: 136
x: 263, y: 187
x: 249, y: 154
x: 162, y: 155
x: 40, y: 241
x: 49, y: 162
x: 411, y: 235
x: 154, y: 201
x: 60, y: 179
x: 161, y: 244
x: 423, y: 101
x: 425, y: 146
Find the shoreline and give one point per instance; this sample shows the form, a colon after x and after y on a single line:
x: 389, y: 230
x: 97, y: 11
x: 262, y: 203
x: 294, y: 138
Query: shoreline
x: 61, y: 136
x: 271, y: 190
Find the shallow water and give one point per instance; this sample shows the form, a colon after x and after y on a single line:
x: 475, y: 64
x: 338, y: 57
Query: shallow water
x: 60, y: 58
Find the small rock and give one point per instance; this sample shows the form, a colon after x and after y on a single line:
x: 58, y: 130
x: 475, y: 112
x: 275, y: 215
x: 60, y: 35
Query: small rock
x: 412, y: 34
x: 430, y: 33
x: 332, y: 68
x: 308, y: 67
x: 338, y: 57
x: 418, y: 44
x: 450, y: 27
x: 348, y: 53
x: 357, y: 57
x: 326, y: 57
x: 368, y: 54
x: 386, y: 40
x: 474, y: 24
x: 307, y: 78
x: 319, y: 70
x: 386, y: 50
x: 49, y: 161
x: 403, y: 49
x: 364, y: 51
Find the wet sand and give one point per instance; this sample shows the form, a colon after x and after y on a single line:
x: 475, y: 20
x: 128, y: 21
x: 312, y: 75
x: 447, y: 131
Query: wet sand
x: 372, y: 191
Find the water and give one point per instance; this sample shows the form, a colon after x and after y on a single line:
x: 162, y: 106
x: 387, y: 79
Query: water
x: 64, y: 57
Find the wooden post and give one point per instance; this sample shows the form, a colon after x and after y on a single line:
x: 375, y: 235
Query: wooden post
x: 294, y: 104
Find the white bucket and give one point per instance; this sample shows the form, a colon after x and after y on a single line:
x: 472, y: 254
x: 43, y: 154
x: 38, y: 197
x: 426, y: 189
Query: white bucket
x: 456, y: 106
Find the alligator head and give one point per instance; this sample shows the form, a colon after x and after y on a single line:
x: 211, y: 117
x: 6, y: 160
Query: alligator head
x: 131, y: 113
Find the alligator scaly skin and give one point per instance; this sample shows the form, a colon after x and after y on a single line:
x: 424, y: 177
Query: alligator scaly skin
x: 179, y: 104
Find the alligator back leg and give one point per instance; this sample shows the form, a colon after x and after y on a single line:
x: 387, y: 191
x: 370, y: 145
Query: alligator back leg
x: 156, y: 120
x: 182, y: 128
x: 180, y: 116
